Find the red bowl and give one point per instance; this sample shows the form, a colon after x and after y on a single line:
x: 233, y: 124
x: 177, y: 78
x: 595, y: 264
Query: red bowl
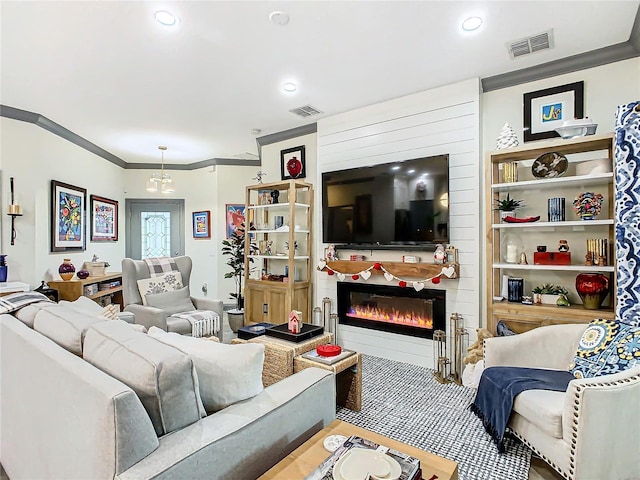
x: 328, y: 350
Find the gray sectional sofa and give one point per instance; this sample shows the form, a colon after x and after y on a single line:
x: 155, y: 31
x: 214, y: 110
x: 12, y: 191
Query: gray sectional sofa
x: 63, y: 418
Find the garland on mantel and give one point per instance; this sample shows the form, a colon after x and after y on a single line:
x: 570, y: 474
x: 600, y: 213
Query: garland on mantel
x: 418, y: 285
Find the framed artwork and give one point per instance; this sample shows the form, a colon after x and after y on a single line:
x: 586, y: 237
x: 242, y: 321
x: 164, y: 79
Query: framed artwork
x: 201, y: 224
x: 234, y: 217
x: 545, y: 110
x: 362, y: 215
x: 104, y: 219
x: 292, y: 163
x: 68, y: 217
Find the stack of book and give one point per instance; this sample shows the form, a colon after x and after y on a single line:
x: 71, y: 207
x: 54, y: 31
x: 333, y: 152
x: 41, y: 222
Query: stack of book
x: 410, y: 465
x: 313, y: 355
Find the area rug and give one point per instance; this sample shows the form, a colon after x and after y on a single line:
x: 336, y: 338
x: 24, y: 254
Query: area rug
x: 406, y: 403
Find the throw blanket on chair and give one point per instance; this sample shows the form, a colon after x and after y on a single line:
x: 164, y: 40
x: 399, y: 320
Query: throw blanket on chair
x: 161, y: 265
x: 204, y: 323
x: 15, y: 301
x: 500, y: 385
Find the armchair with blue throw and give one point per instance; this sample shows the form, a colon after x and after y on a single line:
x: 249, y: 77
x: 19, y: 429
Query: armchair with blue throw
x: 591, y: 430
x: 164, y: 309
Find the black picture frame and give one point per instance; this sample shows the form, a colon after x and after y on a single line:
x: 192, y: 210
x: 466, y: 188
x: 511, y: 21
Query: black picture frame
x: 293, y: 163
x: 545, y: 110
x: 104, y: 219
x: 68, y: 217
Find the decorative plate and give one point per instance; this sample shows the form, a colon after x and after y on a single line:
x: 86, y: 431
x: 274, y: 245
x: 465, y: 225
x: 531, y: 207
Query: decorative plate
x: 550, y: 165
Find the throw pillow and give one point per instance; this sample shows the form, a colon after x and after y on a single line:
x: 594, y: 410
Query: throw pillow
x: 606, y: 347
x: 227, y: 373
x: 175, y: 301
x: 163, y: 377
x: 162, y: 283
x: 110, y: 311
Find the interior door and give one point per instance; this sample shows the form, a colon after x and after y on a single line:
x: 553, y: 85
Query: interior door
x: 155, y: 228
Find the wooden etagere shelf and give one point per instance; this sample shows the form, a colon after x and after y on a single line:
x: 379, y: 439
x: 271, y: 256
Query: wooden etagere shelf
x: 399, y: 269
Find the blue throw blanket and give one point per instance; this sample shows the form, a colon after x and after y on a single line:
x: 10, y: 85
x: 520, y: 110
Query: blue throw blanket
x: 500, y: 385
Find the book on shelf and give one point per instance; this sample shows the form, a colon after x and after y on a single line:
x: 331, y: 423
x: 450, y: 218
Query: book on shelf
x: 313, y: 355
x: 410, y: 465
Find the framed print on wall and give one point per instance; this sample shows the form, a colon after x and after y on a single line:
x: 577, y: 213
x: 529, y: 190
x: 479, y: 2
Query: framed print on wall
x: 68, y: 217
x: 234, y: 217
x: 104, y: 219
x: 292, y: 163
x: 201, y: 224
x: 545, y: 110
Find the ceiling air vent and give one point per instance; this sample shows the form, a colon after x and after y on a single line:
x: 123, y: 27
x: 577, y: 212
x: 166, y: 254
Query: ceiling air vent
x: 532, y: 44
x: 305, y: 111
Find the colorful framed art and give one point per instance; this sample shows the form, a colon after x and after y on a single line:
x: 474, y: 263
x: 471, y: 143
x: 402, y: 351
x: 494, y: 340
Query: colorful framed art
x: 234, y: 218
x: 292, y: 163
x: 68, y: 217
x: 545, y: 110
x: 104, y: 219
x: 201, y: 224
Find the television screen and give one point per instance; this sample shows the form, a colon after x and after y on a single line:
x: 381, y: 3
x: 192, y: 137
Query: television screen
x: 399, y: 203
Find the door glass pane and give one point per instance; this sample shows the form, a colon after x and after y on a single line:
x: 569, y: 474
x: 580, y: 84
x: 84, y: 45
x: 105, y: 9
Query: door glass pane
x: 156, y: 234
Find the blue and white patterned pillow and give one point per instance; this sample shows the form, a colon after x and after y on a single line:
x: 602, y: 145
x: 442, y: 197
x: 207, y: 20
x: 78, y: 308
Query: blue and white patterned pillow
x: 606, y: 347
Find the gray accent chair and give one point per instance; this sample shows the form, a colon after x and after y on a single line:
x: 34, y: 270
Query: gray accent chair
x: 134, y: 270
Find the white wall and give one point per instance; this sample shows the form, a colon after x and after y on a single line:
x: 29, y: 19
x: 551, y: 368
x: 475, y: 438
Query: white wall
x: 34, y: 157
x: 444, y: 120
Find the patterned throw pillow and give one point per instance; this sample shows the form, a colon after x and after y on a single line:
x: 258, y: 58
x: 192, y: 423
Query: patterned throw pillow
x: 606, y: 347
x: 163, y: 283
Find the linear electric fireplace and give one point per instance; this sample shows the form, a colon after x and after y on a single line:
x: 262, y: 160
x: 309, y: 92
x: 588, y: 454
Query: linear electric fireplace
x: 392, y: 309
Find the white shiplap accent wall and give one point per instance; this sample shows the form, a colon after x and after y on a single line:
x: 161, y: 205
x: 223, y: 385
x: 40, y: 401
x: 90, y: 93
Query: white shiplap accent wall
x: 444, y: 120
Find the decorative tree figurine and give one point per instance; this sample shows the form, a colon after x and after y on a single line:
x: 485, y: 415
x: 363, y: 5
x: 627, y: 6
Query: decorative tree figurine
x: 507, y: 138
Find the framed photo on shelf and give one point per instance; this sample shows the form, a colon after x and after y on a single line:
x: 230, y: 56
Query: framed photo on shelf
x: 292, y: 163
x: 104, y: 219
x: 235, y: 217
x: 201, y: 224
x: 545, y: 110
x: 68, y: 217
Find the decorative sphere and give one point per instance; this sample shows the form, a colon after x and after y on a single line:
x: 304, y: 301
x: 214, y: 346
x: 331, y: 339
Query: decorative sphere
x: 82, y: 274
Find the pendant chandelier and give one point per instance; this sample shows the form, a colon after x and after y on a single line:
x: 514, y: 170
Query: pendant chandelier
x: 160, y: 182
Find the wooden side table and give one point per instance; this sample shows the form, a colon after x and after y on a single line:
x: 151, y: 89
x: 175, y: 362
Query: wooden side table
x: 279, y: 354
x: 348, y: 374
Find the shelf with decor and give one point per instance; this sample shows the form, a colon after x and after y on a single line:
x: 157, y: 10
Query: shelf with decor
x: 97, y: 288
x: 559, y: 247
x: 278, y: 279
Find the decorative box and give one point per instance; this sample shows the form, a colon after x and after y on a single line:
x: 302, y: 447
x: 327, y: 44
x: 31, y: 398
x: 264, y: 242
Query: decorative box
x: 95, y: 269
x: 253, y: 331
x: 552, y: 258
x: 307, y: 331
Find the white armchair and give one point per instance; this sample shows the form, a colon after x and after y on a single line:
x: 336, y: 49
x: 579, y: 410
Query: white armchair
x: 134, y: 270
x: 591, y: 431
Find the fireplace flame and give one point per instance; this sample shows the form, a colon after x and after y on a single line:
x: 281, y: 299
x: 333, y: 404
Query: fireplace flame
x: 410, y: 318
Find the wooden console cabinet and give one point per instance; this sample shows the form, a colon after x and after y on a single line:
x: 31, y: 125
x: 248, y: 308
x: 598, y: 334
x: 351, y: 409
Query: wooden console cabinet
x: 73, y: 289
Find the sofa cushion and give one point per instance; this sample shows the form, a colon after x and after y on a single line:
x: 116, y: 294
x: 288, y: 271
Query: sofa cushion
x: 27, y: 315
x: 175, y: 301
x: 65, y: 326
x: 606, y: 347
x: 162, y: 283
x: 162, y: 376
x: 227, y: 373
x: 543, y: 408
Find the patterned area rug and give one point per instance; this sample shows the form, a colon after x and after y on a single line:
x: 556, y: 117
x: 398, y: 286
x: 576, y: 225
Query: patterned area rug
x: 406, y: 403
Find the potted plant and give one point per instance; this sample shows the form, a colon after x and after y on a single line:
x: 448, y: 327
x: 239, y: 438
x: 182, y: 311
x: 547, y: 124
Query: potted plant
x: 507, y: 206
x: 233, y: 247
x: 548, y: 294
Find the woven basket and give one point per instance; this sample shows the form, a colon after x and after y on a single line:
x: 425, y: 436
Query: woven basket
x: 95, y: 269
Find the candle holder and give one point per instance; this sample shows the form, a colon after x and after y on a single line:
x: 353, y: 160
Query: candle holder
x: 15, y: 210
x: 440, y: 361
x: 460, y: 342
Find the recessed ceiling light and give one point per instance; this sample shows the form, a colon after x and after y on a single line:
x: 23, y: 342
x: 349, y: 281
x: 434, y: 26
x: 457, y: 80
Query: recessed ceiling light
x: 165, y: 18
x: 289, y: 87
x: 471, y: 24
x: 395, y: 167
x: 412, y: 171
x: 279, y: 18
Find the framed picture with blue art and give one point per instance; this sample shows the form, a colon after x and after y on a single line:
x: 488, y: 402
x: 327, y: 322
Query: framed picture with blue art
x: 104, y: 219
x: 201, y: 224
x: 234, y: 217
x: 68, y: 217
x: 545, y: 110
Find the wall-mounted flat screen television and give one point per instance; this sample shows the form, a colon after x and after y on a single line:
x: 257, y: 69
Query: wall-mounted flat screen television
x: 399, y: 204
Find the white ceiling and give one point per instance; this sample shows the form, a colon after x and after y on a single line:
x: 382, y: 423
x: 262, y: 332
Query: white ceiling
x: 108, y: 72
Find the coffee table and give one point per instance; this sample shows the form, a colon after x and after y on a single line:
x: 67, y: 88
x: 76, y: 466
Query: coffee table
x: 279, y: 354
x: 303, y: 460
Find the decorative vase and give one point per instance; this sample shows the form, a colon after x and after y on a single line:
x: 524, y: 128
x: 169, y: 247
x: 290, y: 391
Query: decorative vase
x: 506, y: 213
x: 82, y: 274
x: 3, y: 268
x: 593, y: 288
x: 236, y: 319
x: 66, y: 269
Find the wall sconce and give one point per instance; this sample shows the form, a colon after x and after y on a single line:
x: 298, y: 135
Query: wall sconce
x: 15, y: 210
